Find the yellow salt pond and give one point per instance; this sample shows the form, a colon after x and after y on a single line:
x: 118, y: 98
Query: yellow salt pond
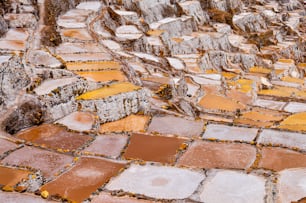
x: 295, y: 122
x: 263, y: 116
x: 228, y: 75
x: 261, y: 70
x: 109, y: 90
x: 281, y: 91
x: 278, y: 91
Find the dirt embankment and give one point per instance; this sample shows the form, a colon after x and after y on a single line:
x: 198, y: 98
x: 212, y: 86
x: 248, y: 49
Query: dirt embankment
x: 4, y: 7
x: 52, y: 9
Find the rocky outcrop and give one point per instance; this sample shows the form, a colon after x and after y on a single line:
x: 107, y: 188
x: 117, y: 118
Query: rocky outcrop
x: 52, y: 10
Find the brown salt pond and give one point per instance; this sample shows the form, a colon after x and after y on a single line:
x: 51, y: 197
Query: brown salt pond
x: 153, y: 148
x: 84, y: 178
x: 54, y: 136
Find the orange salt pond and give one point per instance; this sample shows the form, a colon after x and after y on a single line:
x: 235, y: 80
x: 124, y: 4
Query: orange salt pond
x: 103, y: 76
x: 260, y: 70
x: 93, y: 66
x: 220, y: 103
x: 259, y: 118
x: 132, y: 123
